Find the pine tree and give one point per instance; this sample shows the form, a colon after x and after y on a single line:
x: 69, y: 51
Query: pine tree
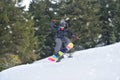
x: 83, y: 20
x: 116, y: 19
x: 39, y: 13
x: 108, y: 8
x: 16, y: 31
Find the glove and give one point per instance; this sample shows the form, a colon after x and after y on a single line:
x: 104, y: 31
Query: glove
x: 76, y: 37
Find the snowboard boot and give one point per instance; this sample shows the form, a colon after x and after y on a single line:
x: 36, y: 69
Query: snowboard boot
x: 61, y: 56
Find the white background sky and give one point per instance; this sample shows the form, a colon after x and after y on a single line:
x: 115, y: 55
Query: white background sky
x: 26, y: 3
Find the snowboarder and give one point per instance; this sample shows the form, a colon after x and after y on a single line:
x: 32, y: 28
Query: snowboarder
x: 60, y: 29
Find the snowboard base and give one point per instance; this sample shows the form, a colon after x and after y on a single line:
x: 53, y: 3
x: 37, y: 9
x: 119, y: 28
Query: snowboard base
x: 53, y: 58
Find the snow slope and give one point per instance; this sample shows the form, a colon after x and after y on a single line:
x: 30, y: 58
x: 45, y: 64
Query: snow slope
x: 101, y: 63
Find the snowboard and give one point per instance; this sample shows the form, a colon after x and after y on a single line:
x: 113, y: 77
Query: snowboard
x: 55, y: 58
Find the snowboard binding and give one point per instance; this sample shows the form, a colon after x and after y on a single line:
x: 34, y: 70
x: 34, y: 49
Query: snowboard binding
x: 60, y: 55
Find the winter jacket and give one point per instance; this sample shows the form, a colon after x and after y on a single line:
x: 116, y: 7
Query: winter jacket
x: 61, y: 33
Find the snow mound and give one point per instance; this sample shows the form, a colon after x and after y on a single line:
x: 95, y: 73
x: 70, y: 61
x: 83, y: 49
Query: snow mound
x: 101, y: 63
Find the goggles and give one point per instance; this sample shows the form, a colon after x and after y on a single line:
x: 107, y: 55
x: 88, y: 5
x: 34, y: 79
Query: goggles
x: 62, y: 28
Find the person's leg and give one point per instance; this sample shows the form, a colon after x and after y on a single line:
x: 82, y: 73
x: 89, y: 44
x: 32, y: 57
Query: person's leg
x: 57, y: 52
x: 57, y: 46
x: 68, y: 46
x: 66, y: 43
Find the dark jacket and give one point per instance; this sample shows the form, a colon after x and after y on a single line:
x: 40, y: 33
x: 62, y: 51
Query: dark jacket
x: 61, y: 33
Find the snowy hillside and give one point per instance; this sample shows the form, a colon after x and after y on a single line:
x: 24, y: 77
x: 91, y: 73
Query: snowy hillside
x: 101, y: 63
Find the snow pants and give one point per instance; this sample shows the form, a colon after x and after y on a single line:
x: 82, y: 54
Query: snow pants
x: 60, y: 42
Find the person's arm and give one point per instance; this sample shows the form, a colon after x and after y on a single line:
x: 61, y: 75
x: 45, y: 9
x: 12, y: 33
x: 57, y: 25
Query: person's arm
x: 71, y: 34
x: 52, y: 26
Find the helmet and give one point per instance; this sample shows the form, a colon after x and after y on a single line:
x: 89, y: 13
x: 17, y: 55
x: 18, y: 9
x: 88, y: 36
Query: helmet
x: 63, y: 23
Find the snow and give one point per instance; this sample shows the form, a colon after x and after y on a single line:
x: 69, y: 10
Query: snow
x: 101, y: 63
x: 55, y: 1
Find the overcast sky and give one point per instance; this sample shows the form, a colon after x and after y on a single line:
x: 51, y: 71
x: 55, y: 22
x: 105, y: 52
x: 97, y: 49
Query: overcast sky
x: 26, y: 3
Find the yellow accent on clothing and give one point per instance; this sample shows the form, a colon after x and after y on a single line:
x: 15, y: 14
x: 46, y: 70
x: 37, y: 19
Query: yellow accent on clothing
x: 60, y: 53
